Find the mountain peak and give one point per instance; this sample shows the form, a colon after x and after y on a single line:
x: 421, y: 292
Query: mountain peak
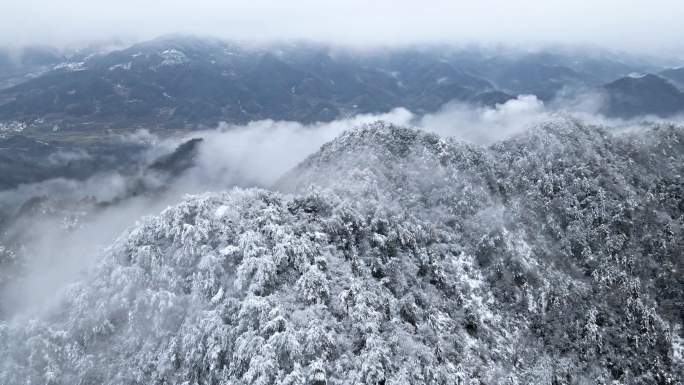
x: 404, y: 258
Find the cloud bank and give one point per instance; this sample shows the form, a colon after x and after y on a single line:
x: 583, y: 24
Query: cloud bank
x: 650, y: 26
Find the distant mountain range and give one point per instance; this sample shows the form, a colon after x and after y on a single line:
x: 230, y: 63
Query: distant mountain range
x: 185, y: 82
x: 646, y: 95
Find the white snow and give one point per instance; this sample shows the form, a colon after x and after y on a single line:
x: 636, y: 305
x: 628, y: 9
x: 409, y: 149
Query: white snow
x: 220, y: 211
x: 12, y: 126
x: 71, y: 66
x: 123, y: 66
x: 173, y: 57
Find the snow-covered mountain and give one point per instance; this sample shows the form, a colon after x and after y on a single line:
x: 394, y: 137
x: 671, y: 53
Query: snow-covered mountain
x: 186, y: 82
x: 393, y: 256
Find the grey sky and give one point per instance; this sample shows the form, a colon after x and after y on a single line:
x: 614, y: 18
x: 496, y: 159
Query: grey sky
x: 641, y: 25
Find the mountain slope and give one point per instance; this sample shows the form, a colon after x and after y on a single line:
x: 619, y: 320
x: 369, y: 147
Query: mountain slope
x: 19, y: 65
x: 25, y: 159
x: 181, y: 81
x: 646, y: 95
x: 676, y: 76
x: 394, y: 256
x: 175, y: 81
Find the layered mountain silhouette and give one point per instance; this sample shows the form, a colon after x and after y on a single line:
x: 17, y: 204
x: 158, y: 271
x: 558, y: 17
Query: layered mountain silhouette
x: 182, y: 82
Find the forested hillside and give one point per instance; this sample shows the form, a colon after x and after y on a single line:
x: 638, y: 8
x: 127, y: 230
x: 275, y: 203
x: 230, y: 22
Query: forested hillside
x: 393, y: 256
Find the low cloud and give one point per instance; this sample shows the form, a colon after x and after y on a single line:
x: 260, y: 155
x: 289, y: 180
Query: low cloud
x: 485, y: 125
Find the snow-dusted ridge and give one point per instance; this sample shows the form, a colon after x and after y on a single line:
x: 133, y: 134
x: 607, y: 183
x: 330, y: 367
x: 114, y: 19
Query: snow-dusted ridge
x: 392, y: 256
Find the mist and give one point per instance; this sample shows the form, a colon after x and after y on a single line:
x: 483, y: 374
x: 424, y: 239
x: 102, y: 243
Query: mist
x: 634, y: 25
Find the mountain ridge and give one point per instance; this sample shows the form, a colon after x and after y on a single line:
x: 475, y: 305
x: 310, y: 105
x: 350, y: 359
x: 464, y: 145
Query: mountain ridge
x: 645, y: 95
x: 517, y: 264
x: 187, y: 82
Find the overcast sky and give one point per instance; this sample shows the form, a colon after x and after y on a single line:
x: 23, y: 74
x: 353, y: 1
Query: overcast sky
x: 636, y: 25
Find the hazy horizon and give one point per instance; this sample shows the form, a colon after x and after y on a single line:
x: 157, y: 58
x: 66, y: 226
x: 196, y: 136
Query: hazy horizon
x: 636, y: 26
